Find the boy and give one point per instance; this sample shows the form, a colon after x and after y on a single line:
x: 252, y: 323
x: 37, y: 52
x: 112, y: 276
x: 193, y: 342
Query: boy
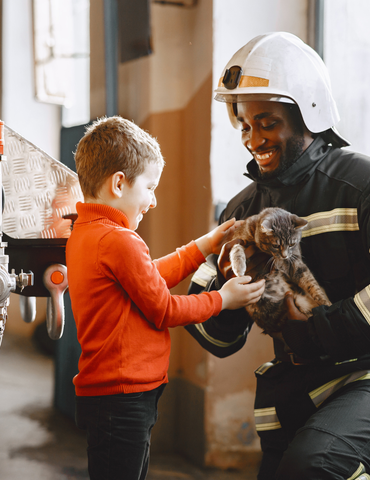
x: 121, y: 300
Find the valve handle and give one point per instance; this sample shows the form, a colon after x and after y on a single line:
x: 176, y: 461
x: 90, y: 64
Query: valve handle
x: 27, y: 306
x: 55, y: 280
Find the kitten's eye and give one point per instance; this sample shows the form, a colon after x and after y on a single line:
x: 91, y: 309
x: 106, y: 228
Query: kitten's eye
x: 276, y: 246
x: 291, y: 245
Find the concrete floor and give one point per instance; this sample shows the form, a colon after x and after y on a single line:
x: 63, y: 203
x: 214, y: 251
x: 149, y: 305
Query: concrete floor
x: 37, y: 442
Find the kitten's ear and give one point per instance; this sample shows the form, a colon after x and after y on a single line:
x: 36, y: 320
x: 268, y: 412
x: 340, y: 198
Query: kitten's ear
x: 266, y: 226
x: 299, y: 222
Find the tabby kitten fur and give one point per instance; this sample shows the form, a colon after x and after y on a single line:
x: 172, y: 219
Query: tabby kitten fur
x: 277, y: 232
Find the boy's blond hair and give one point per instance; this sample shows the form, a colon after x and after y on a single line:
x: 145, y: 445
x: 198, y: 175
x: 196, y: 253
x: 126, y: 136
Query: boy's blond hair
x: 111, y: 145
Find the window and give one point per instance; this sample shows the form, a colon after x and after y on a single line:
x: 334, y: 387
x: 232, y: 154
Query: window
x: 61, y: 54
x: 347, y: 56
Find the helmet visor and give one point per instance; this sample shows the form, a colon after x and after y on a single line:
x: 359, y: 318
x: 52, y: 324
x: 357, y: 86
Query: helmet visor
x: 251, y: 97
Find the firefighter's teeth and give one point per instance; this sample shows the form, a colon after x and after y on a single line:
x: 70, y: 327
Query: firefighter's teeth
x: 264, y: 156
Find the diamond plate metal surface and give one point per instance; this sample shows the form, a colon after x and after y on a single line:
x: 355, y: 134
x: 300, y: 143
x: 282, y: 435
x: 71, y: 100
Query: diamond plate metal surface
x: 39, y: 190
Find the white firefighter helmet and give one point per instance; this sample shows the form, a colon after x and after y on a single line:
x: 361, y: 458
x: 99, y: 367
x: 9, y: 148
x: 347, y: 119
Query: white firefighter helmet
x: 282, y: 68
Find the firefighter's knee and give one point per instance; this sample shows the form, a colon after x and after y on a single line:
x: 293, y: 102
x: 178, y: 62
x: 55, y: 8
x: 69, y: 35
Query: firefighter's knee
x: 319, y: 454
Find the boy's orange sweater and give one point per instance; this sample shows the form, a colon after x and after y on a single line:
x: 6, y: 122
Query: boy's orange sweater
x: 122, y: 305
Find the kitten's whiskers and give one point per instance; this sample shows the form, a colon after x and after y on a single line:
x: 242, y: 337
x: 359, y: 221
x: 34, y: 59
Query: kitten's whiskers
x: 270, y: 264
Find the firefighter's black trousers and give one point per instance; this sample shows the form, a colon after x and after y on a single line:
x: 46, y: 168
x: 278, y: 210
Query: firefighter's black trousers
x: 328, y: 442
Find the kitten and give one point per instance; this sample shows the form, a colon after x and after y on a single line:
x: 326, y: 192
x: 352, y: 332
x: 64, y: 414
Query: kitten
x: 277, y: 232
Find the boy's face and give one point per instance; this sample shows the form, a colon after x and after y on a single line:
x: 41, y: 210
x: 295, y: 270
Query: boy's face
x: 138, y: 197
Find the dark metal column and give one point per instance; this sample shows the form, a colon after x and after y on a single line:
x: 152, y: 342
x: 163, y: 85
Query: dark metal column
x: 111, y: 56
x: 319, y: 27
x: 315, y: 26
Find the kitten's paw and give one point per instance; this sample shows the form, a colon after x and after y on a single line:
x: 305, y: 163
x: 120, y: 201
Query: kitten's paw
x: 238, y: 260
x: 322, y: 301
x: 320, y: 298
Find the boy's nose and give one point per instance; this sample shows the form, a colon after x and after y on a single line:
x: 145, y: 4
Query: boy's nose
x: 154, y: 202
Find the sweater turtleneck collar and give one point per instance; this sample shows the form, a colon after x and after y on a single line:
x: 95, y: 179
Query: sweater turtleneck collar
x: 89, y: 212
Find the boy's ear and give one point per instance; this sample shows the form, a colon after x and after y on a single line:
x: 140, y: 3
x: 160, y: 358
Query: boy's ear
x: 117, y: 183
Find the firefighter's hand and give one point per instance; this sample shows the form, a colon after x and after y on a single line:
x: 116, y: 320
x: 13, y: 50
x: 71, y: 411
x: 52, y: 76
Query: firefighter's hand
x: 292, y: 312
x: 256, y: 260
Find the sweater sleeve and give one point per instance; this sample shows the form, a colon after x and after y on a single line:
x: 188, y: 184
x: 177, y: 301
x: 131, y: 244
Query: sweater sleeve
x: 176, y: 266
x: 124, y: 258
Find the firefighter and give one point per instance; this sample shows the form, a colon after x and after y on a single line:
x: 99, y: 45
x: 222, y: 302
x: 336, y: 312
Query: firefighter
x: 312, y: 406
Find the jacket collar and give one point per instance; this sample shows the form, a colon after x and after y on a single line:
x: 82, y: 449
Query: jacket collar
x: 302, y: 168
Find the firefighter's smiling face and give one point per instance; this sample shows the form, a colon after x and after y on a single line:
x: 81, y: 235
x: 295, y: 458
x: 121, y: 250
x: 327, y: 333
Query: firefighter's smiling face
x: 274, y: 133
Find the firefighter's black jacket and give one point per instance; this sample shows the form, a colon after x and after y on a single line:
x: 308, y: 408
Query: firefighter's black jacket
x: 330, y: 187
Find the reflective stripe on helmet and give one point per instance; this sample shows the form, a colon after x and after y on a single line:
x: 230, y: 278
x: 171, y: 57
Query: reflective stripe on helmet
x: 248, y: 81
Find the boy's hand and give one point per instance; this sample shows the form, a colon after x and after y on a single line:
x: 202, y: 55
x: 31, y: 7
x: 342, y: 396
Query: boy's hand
x: 239, y: 292
x: 213, y: 241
